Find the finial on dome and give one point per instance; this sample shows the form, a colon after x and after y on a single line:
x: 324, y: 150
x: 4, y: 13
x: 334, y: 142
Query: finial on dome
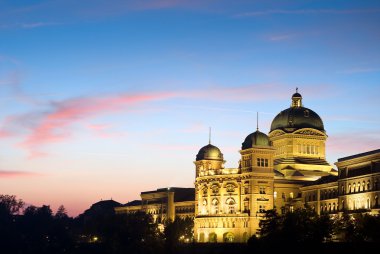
x: 209, y: 135
x: 296, y: 89
x: 257, y: 120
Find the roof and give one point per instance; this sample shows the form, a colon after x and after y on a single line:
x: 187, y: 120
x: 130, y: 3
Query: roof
x: 323, y: 180
x: 180, y: 194
x: 295, y: 118
x: 256, y: 138
x: 105, y: 204
x: 302, y: 160
x: 359, y: 155
x: 133, y: 203
x: 209, y: 152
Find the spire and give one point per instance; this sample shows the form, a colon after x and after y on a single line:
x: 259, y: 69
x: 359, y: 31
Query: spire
x: 257, y: 120
x: 296, y: 100
x: 209, y: 135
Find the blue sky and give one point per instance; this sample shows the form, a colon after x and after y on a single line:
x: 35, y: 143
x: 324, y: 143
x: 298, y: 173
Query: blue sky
x: 106, y: 99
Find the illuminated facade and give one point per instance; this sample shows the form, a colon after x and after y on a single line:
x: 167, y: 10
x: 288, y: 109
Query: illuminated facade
x: 283, y: 170
x: 163, y: 204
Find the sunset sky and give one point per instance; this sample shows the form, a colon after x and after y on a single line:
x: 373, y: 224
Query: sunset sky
x: 104, y: 99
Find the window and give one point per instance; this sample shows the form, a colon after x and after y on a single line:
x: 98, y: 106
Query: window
x: 283, y: 196
x: 275, y: 194
x: 291, y: 195
x: 262, y: 190
x: 228, y: 237
x: 246, y: 205
x: 215, y: 206
x: 262, y: 162
x: 231, y: 205
x: 291, y: 208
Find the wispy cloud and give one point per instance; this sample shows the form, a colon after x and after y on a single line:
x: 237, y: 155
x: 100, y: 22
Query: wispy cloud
x: 351, y: 143
x: 105, y: 131
x: 306, y: 12
x: 53, y: 125
x: 280, y: 37
x: 17, y: 174
x: 359, y: 70
x: 30, y: 25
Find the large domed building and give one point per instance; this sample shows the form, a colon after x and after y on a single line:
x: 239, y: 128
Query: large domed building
x: 283, y: 170
x: 230, y: 202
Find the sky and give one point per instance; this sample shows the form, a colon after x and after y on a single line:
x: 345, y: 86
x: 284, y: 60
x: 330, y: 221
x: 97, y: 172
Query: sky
x: 104, y: 99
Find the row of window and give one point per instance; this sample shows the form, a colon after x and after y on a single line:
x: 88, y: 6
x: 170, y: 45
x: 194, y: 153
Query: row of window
x: 361, y: 186
x: 227, y: 237
x: 308, y: 149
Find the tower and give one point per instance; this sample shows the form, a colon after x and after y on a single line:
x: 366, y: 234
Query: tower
x: 299, y: 137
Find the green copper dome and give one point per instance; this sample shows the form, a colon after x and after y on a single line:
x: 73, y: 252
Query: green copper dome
x: 255, y: 139
x: 209, y: 152
x: 297, y: 117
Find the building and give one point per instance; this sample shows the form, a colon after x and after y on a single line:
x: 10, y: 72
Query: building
x: 284, y: 170
x: 163, y: 204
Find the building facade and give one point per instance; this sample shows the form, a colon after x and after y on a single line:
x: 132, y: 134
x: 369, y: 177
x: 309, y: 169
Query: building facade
x: 284, y: 170
x: 163, y: 204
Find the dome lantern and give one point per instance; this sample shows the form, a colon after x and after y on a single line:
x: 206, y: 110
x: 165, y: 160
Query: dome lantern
x: 296, y: 99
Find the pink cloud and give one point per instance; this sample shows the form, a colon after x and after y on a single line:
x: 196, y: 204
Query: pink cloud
x: 104, y: 131
x: 53, y: 126
x: 345, y: 144
x: 13, y: 174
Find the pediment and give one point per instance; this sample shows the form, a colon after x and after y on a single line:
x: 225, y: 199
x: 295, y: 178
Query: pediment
x: 276, y: 133
x: 309, y: 131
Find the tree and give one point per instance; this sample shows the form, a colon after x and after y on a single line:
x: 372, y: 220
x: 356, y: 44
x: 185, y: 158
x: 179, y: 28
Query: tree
x: 61, y: 213
x: 270, y: 225
x: 10, y: 204
x: 301, y: 226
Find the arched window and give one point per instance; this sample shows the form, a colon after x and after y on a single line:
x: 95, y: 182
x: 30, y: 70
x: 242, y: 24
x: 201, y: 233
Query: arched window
x: 349, y: 188
x: 368, y: 185
x: 228, y: 237
x: 212, y: 238
x: 231, y: 205
x: 215, y: 206
x: 201, y: 237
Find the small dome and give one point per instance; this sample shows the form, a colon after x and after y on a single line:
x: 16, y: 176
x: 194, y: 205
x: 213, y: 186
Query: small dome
x: 209, y: 152
x: 297, y: 95
x: 255, y: 139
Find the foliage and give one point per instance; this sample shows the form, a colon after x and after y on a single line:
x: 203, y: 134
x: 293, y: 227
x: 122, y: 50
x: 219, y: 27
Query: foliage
x: 10, y: 205
x: 302, y: 226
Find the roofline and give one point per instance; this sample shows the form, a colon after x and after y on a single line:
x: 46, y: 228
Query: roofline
x: 359, y: 155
